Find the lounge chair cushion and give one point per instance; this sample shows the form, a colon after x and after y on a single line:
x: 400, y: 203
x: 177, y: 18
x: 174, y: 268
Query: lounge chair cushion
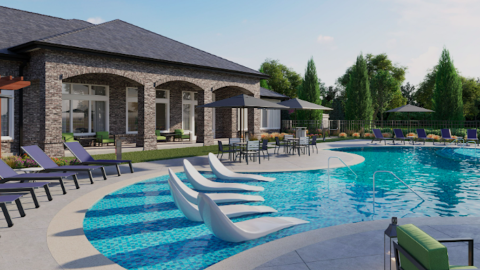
x: 103, y: 137
x: 159, y: 136
x: 68, y: 137
x: 425, y: 249
x: 179, y: 133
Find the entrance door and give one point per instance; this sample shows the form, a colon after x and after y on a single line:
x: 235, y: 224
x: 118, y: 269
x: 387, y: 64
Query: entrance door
x: 189, y: 101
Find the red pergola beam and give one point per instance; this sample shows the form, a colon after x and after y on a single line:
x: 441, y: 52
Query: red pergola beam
x: 10, y: 83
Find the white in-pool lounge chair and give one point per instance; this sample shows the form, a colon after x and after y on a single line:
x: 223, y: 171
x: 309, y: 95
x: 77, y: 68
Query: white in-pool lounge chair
x: 191, y: 211
x: 201, y: 183
x: 222, y: 227
x: 223, y: 173
x: 192, y: 195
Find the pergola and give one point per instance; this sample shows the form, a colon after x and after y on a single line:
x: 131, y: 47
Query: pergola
x: 10, y: 83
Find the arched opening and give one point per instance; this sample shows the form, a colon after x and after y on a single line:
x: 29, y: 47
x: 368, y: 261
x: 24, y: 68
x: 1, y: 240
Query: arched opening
x: 175, y: 108
x: 100, y: 102
x: 226, y: 122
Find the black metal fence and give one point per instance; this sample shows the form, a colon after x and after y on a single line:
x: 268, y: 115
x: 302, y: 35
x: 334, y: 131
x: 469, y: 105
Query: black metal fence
x: 335, y: 127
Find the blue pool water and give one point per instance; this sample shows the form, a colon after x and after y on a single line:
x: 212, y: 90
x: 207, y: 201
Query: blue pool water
x: 139, y: 227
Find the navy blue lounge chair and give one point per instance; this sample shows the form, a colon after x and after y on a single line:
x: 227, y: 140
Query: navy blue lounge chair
x: 472, y: 135
x: 422, y: 136
x: 8, y: 174
x: 49, y: 166
x: 379, y: 136
x: 446, y: 135
x: 398, y: 135
x: 28, y: 187
x: 86, y: 159
x: 4, y: 199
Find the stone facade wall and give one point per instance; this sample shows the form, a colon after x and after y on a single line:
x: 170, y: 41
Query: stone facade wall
x: 48, y: 69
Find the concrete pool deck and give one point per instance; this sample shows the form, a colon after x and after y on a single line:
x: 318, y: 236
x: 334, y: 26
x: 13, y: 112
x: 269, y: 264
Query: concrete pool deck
x: 52, y: 237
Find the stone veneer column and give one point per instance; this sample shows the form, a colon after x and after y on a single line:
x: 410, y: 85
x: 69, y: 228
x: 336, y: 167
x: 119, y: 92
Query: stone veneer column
x: 146, y: 117
x: 204, y: 119
x: 43, y: 107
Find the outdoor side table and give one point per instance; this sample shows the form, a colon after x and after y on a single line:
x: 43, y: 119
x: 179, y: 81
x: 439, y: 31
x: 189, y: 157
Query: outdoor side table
x: 168, y: 136
x: 31, y: 170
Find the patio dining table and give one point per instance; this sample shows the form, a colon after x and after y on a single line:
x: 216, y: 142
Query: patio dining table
x: 242, y: 146
x: 291, y: 143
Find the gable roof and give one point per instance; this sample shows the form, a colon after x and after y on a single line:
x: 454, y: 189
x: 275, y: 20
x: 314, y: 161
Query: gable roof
x: 115, y: 37
x: 264, y: 92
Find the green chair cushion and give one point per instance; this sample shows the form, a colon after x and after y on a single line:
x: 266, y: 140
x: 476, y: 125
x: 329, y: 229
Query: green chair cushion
x: 179, y: 131
x: 161, y: 138
x: 157, y: 133
x: 425, y: 249
x: 68, y: 137
x: 103, y: 137
x: 460, y: 267
x: 107, y: 141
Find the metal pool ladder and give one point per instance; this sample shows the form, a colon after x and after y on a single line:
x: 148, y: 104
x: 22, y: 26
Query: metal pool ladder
x: 465, y: 144
x: 398, y: 180
x: 328, y: 171
x: 455, y: 140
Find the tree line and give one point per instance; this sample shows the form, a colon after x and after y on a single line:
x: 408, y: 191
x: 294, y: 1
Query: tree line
x: 374, y: 85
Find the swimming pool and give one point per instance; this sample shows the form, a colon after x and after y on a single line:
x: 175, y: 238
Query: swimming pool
x: 139, y: 227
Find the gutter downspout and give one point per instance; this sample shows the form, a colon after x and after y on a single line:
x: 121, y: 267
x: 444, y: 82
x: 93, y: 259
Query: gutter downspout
x: 20, y: 109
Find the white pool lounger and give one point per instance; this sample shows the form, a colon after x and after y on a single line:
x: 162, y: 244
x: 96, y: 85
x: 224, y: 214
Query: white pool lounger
x: 201, y: 183
x: 223, y: 173
x: 192, y: 195
x: 191, y: 211
x: 222, y: 227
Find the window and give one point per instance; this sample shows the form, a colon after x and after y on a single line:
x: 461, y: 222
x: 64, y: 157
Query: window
x: 244, y: 118
x: 162, y: 107
x: 7, y: 115
x: 270, y: 119
x: 84, y: 108
x: 132, y: 110
x: 188, y: 110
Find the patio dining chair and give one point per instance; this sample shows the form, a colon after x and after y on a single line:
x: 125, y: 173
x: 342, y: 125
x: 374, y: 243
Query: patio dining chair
x: 302, y: 145
x: 264, y: 149
x: 103, y: 137
x: 313, y: 143
x: 221, y: 150
x: 278, y: 145
x: 48, y: 165
x: 288, y: 143
x: 252, y: 150
x: 472, y: 135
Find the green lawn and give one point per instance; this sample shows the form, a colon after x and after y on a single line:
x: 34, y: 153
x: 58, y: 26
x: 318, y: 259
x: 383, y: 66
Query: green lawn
x: 144, y: 156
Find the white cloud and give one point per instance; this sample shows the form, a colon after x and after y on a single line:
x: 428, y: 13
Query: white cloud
x: 324, y: 39
x: 95, y: 20
x: 420, y: 65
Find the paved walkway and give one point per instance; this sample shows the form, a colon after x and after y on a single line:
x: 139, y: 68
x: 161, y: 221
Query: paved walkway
x: 52, y: 237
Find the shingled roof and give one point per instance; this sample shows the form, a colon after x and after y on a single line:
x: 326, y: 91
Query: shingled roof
x: 113, y: 38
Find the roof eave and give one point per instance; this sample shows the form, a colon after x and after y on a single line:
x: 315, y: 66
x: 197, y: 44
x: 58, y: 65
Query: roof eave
x: 32, y: 45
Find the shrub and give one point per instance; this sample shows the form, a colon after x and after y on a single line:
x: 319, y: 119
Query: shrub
x: 368, y: 135
x: 13, y: 161
x: 342, y: 135
x: 356, y: 135
x: 387, y: 135
x: 411, y: 134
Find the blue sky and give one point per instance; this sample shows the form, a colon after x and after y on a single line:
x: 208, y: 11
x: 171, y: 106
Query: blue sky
x: 411, y: 32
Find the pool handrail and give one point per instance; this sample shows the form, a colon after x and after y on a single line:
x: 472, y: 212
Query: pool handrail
x: 328, y: 170
x: 454, y: 140
x: 398, y: 180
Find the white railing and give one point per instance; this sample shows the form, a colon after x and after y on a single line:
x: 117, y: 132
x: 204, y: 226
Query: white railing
x: 466, y: 144
x: 328, y: 171
x: 398, y: 180
x: 454, y: 140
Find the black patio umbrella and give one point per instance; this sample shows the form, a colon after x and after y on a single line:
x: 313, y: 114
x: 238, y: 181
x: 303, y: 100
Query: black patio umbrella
x: 242, y: 102
x: 300, y: 104
x: 408, y: 109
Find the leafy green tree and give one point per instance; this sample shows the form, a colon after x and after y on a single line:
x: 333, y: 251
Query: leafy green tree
x: 264, y: 83
x: 447, y: 96
x: 282, y: 80
x: 310, y: 91
x: 359, y: 101
x: 408, y: 92
x: 470, y: 96
x: 338, y: 112
x: 383, y: 88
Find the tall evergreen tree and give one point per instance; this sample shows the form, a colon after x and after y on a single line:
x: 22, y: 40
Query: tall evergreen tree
x: 359, y: 101
x: 447, y: 95
x: 310, y: 91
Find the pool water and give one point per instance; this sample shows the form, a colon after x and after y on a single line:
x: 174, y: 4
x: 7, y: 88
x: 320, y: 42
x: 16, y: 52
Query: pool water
x: 139, y: 226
